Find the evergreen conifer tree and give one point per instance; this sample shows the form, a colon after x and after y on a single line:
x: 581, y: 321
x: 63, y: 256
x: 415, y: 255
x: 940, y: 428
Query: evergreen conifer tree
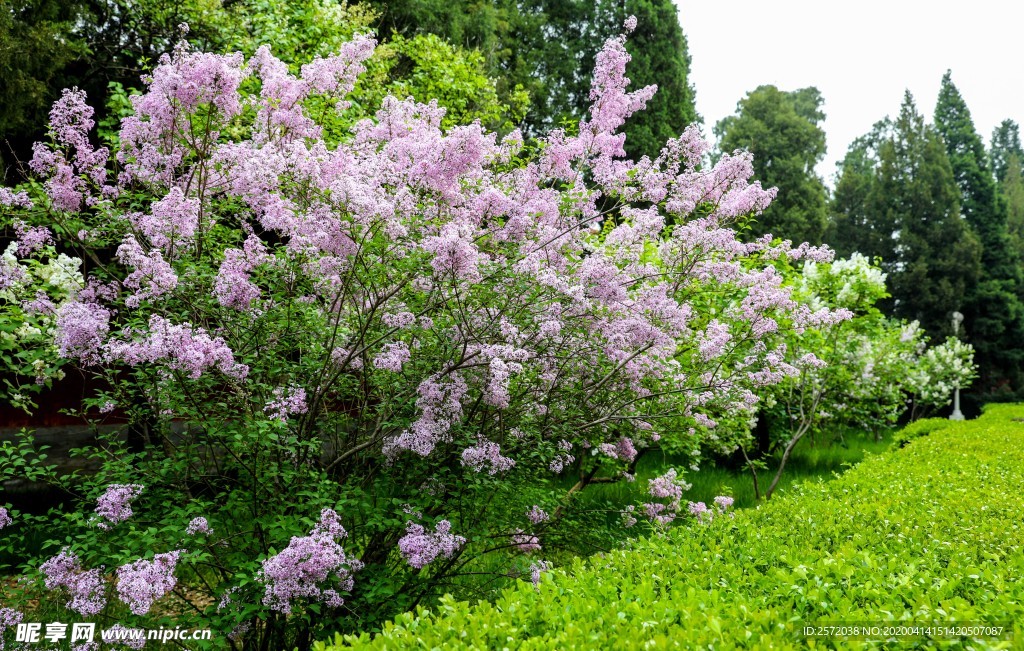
x: 992, y: 307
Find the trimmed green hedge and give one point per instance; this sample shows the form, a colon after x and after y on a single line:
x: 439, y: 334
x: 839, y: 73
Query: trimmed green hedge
x: 930, y: 534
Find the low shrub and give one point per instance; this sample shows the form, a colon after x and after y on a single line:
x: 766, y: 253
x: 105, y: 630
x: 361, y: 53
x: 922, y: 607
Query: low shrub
x: 927, y: 534
x: 919, y: 428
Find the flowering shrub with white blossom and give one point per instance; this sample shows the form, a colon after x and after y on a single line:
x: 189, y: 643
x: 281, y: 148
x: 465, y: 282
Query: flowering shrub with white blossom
x: 861, y: 373
x: 400, y: 343
x: 35, y: 281
x: 941, y: 370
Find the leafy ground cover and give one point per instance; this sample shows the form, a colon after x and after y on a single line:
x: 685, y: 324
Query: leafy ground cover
x: 927, y: 534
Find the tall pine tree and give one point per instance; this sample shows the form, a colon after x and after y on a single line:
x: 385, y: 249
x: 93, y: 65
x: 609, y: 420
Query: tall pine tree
x: 898, y: 184
x: 1007, y: 158
x: 992, y: 308
x: 1005, y: 144
x: 783, y: 132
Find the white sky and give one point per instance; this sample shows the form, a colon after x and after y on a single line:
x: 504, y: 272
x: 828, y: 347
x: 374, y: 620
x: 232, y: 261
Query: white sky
x: 861, y: 56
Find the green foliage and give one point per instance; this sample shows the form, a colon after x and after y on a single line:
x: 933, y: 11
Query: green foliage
x: 426, y: 67
x: 927, y: 534
x: 783, y: 131
x: 32, y: 56
x: 897, y: 199
x: 994, y: 313
x: 1005, y: 144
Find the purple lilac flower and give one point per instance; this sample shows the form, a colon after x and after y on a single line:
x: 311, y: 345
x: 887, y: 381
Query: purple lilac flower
x: 625, y: 449
x: 81, y: 331
x: 9, y: 618
x: 525, y: 542
x: 309, y: 561
x: 31, y: 238
x: 440, y: 405
x: 233, y: 286
x: 114, y: 505
x: 393, y: 356
x: 536, y: 515
x: 628, y: 519
x: 290, y: 400
x: 151, y: 275
x: 41, y: 304
x: 180, y: 347
x: 486, y: 455
x: 5, y: 517
x: 198, y: 526
x: 9, y: 197
x: 173, y: 220
x: 86, y: 586
x: 700, y: 511
x: 420, y: 548
x: 141, y: 583
x: 723, y: 503
x: 666, y: 486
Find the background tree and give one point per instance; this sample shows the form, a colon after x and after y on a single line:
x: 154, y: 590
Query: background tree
x: 1007, y: 158
x: 1005, y: 144
x: 992, y: 307
x: 898, y: 184
x: 852, y: 227
x: 783, y: 132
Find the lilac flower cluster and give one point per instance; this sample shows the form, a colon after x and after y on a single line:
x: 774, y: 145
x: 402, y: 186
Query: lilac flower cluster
x: 86, y: 586
x: 179, y: 347
x: 700, y: 511
x: 440, y: 405
x: 14, y: 199
x: 198, y: 526
x: 525, y: 542
x: 287, y: 401
x: 421, y: 548
x: 536, y: 515
x: 152, y: 276
x: 9, y: 618
x: 723, y: 502
x: 562, y: 458
x: 5, y: 517
x: 300, y: 570
x: 82, y: 329
x: 704, y: 514
x: 172, y: 221
x: 486, y: 455
x: 393, y: 356
x: 70, y: 123
x: 233, y: 286
x: 115, y: 505
x: 31, y: 238
x: 667, y: 487
x: 142, y: 583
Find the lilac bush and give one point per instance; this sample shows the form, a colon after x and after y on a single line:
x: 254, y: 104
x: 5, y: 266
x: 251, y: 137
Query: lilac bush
x: 413, y: 321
